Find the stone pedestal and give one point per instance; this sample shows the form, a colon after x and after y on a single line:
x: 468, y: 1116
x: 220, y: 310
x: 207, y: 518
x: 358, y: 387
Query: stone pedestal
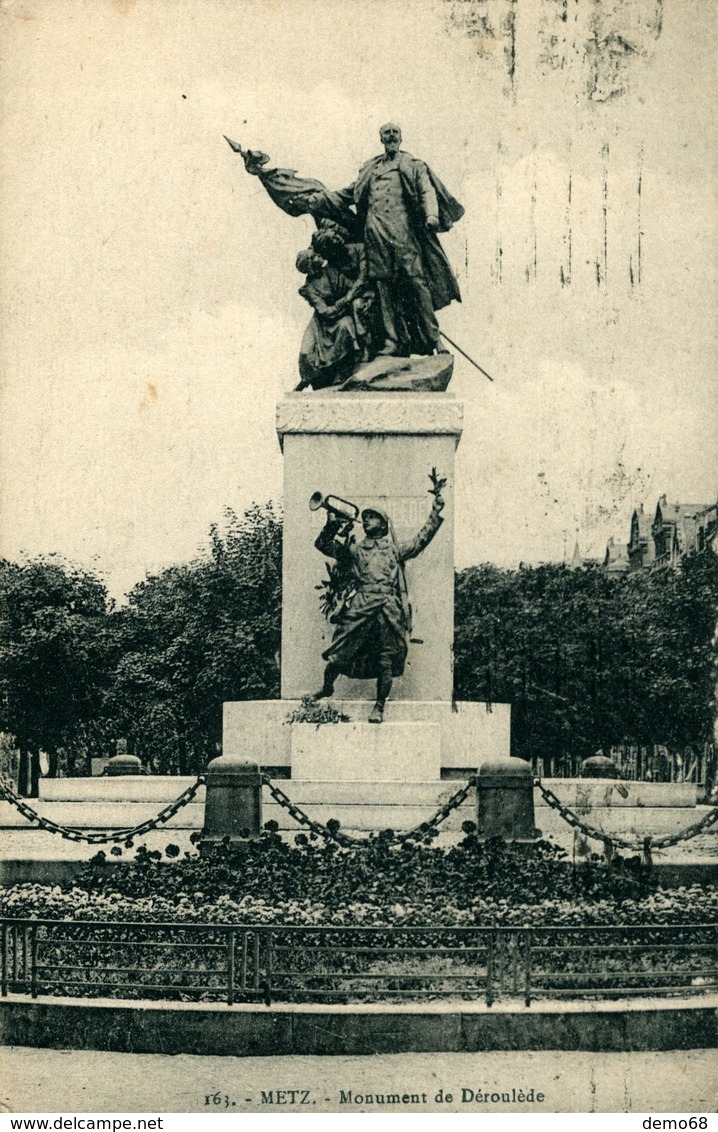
x: 365, y: 752
x: 374, y: 449
x: 370, y: 448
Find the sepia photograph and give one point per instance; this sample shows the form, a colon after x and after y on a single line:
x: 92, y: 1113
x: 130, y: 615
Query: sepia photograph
x: 358, y: 559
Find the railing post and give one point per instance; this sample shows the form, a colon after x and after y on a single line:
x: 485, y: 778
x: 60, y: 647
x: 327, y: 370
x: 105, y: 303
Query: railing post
x: 599, y: 766
x: 122, y: 762
x: 490, y: 969
x: 233, y: 802
x: 230, y: 966
x: 33, y: 960
x: 527, y: 966
x: 505, y: 800
x: 243, y: 968
x: 26, y: 957
x: 5, y: 958
x: 255, y: 949
x: 268, y: 965
x: 15, y: 957
x: 646, y: 858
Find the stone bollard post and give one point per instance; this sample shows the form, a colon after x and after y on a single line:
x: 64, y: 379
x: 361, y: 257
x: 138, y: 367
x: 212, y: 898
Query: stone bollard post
x: 505, y: 800
x: 233, y: 803
x: 122, y: 762
x: 599, y: 766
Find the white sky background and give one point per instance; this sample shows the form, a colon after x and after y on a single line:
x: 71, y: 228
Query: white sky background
x: 150, y: 309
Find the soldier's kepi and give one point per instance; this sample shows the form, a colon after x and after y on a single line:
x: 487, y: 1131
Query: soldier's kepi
x: 374, y: 621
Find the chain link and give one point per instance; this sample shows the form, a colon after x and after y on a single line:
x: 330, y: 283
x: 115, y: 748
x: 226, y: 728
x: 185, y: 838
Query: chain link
x: 72, y: 834
x: 343, y: 838
x: 69, y: 833
x: 600, y: 835
x: 691, y: 831
x: 303, y: 819
x: 443, y: 812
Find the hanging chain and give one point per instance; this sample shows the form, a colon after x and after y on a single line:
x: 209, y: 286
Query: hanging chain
x: 334, y: 834
x: 443, y: 812
x: 70, y: 833
x: 600, y: 835
x: 303, y: 819
x: 330, y: 834
x: 117, y: 835
x: 691, y: 831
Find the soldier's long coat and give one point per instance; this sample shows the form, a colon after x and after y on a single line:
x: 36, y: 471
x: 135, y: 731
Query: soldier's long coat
x: 437, y: 269
x: 379, y: 593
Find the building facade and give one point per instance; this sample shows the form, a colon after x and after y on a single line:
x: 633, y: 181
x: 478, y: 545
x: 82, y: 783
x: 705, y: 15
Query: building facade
x: 676, y: 530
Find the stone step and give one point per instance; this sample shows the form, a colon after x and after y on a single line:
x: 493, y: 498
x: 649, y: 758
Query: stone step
x: 101, y: 815
x: 385, y: 814
x: 122, y: 788
x: 575, y: 793
x: 132, y: 790
x: 601, y: 792
x: 26, y: 846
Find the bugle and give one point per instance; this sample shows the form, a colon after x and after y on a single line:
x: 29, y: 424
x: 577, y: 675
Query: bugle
x: 342, y: 508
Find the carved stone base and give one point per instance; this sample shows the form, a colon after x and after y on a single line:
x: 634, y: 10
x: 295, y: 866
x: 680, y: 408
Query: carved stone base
x: 468, y: 732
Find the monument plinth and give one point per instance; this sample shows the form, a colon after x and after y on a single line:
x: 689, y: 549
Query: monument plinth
x: 372, y: 449
x: 360, y: 752
x: 469, y: 732
x: 369, y: 436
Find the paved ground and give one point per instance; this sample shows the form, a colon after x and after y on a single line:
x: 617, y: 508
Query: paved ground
x: 72, y: 1081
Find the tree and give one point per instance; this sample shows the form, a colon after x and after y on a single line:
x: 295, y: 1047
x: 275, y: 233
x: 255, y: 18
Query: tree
x: 197, y: 635
x: 55, y: 659
x: 671, y: 617
x: 588, y: 660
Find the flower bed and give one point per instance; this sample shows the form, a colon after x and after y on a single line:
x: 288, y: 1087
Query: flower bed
x: 384, y: 882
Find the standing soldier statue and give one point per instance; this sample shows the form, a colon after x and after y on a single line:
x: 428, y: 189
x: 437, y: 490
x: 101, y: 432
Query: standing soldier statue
x: 374, y: 619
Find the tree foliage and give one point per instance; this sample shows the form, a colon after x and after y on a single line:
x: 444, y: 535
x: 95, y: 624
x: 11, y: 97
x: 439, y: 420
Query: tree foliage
x: 590, y: 660
x: 55, y: 659
x: 197, y: 635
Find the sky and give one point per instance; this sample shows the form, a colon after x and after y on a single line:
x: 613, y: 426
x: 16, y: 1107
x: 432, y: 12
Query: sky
x: 150, y: 315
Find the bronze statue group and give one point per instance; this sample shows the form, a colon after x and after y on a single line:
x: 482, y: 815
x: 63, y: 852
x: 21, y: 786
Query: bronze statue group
x: 375, y: 271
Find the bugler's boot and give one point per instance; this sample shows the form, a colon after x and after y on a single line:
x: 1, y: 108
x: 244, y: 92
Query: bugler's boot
x: 377, y: 713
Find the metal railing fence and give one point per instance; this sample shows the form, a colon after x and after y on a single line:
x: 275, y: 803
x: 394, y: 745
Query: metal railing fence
x: 257, y: 963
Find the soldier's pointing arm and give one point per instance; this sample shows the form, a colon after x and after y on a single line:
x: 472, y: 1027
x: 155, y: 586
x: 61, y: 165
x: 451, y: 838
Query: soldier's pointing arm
x: 415, y: 546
